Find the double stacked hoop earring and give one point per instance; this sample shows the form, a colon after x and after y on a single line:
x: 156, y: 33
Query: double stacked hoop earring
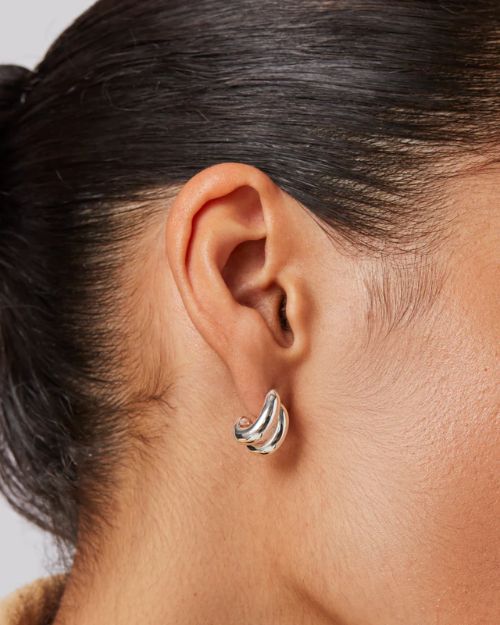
x: 273, y: 418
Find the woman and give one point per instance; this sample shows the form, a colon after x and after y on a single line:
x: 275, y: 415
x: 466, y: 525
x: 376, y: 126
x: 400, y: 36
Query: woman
x: 220, y: 216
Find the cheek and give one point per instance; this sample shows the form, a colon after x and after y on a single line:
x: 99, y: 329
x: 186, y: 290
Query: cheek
x: 457, y: 496
x: 429, y: 515
x: 453, y: 439
x: 431, y: 478
x: 409, y: 482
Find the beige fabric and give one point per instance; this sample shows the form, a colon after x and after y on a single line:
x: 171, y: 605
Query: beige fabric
x: 33, y: 604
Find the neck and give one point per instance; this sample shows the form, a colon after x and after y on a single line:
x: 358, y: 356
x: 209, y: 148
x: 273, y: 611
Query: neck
x: 186, y: 547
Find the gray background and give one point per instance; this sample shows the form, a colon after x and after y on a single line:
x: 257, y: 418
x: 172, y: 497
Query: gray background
x: 27, y: 28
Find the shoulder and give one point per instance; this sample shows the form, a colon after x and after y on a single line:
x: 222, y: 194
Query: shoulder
x: 34, y: 603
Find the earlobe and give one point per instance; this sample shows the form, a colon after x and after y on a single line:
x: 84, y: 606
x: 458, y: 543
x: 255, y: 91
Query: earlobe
x: 226, y: 242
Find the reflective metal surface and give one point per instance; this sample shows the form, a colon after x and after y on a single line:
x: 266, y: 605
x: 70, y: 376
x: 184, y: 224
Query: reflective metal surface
x: 270, y: 427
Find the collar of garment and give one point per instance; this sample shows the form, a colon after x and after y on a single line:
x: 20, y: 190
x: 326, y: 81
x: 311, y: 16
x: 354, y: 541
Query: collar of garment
x: 33, y: 604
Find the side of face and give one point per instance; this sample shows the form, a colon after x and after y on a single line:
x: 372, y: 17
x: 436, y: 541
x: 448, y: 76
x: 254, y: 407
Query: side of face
x: 384, y: 498
x: 402, y: 442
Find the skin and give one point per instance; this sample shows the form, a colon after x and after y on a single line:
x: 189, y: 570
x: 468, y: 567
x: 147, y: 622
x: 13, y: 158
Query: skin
x: 382, y: 505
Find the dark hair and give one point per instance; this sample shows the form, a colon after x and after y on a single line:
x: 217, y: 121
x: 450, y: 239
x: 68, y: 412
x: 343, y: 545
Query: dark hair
x: 350, y: 106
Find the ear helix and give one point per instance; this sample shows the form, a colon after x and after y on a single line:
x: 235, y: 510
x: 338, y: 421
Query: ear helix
x: 271, y: 425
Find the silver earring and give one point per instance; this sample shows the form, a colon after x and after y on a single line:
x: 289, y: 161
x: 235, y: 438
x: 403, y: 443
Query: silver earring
x: 273, y: 412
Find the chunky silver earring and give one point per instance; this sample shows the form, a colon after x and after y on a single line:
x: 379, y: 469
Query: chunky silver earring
x: 273, y: 413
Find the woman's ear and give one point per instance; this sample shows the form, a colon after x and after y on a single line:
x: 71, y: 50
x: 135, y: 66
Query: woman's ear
x: 233, y: 249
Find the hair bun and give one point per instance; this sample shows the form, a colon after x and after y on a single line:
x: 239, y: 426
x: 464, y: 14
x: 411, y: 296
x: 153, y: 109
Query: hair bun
x: 13, y: 80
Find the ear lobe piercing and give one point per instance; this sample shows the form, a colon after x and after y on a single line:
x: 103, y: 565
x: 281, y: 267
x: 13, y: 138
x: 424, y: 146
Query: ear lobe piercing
x: 273, y: 413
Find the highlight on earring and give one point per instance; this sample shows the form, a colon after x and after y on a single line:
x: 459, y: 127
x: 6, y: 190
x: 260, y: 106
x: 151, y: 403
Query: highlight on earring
x: 270, y: 426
